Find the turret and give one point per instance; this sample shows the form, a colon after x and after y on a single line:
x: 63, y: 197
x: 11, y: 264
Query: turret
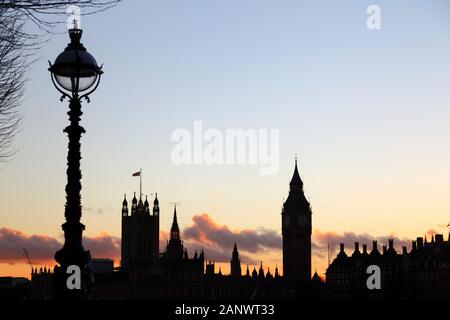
x: 156, y: 206
x: 141, y: 208
x: 134, y: 205
x: 146, y: 206
x: 125, y: 207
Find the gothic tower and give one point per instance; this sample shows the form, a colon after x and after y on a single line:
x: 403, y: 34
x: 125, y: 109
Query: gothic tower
x: 296, y: 230
x: 175, y: 246
x: 235, y: 263
x: 140, y: 234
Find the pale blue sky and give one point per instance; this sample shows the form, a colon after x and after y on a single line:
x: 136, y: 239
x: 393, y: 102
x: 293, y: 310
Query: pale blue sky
x: 367, y: 111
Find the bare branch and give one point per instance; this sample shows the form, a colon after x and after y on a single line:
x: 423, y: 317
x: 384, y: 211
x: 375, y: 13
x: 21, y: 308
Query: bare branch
x: 18, y: 47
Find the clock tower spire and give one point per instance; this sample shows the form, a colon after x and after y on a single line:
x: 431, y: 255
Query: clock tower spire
x: 296, y: 230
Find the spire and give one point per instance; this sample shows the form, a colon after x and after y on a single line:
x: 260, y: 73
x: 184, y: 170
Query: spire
x: 235, y: 263
x: 247, y: 273
x: 175, y: 230
x: 261, y: 271
x: 316, y: 278
x: 296, y: 181
x: 175, y: 219
x: 235, y: 254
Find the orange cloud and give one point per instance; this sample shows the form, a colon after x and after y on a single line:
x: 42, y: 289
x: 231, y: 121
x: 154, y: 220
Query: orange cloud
x: 218, y: 240
x: 41, y: 248
x: 321, y: 240
x: 205, y: 233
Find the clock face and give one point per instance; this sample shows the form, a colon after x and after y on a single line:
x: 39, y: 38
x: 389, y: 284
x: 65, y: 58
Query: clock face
x: 302, y: 220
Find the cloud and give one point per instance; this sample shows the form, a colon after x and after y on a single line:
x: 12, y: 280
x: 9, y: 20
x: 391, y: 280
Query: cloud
x: 103, y: 246
x: 98, y: 210
x: 218, y: 240
x: 321, y: 240
x: 41, y: 248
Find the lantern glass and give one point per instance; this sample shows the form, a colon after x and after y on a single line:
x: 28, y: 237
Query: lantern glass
x: 76, y: 84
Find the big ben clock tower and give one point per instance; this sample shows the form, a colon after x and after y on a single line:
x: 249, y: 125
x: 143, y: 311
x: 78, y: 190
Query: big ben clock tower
x: 296, y: 230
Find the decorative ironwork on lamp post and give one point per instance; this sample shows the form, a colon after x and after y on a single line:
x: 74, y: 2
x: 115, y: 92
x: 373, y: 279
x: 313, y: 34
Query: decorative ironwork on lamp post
x: 76, y: 75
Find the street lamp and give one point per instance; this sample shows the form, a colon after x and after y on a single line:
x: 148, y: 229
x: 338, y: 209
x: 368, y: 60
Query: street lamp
x: 76, y: 75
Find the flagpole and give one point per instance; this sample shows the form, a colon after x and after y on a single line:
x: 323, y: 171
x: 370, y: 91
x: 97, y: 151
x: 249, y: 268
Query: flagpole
x: 140, y: 184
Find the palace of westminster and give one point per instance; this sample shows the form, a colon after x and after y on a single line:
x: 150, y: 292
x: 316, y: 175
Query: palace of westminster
x: 145, y: 273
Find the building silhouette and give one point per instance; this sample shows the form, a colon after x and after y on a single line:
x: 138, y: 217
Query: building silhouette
x: 235, y: 263
x: 423, y: 273
x: 296, y: 231
x: 146, y: 273
x: 140, y: 234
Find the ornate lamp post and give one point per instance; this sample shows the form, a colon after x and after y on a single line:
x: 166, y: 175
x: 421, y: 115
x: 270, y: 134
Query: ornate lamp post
x: 76, y: 75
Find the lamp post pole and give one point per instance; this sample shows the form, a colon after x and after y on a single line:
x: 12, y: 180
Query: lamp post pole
x: 74, y: 70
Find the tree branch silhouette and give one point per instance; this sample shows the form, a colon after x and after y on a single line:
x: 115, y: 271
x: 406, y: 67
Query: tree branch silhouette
x: 18, y: 46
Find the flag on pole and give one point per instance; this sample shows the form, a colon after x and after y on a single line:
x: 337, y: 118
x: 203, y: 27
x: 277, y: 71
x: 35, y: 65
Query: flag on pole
x: 137, y: 174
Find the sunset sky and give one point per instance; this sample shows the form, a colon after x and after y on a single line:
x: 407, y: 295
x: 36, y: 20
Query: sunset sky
x: 366, y: 111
